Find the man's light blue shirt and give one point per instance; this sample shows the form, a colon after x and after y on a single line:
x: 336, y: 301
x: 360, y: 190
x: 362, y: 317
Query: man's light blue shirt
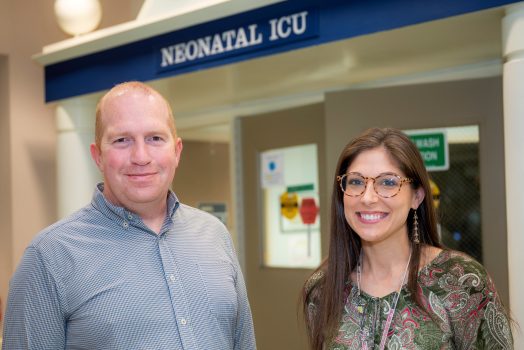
x: 101, y: 279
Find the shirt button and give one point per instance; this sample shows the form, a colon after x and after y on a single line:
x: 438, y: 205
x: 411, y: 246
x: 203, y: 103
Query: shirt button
x: 172, y: 278
x: 125, y: 224
x: 129, y: 216
x: 183, y: 321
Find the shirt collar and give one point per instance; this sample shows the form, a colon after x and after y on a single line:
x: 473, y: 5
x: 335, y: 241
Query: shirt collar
x: 100, y: 202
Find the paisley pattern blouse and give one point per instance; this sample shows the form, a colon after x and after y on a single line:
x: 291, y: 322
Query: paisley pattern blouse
x: 464, y: 311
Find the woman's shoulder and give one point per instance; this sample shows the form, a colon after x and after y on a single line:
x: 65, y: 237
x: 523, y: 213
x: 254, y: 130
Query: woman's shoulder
x: 456, y: 286
x: 313, y: 288
x: 313, y: 282
x: 459, y: 263
x: 453, y: 271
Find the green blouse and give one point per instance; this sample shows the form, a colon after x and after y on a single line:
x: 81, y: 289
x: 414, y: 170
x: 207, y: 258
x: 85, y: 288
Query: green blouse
x: 463, y: 311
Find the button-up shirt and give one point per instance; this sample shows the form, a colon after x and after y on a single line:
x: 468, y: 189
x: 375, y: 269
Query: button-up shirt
x: 101, y: 279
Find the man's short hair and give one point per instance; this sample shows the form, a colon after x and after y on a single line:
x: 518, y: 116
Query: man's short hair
x: 120, y: 89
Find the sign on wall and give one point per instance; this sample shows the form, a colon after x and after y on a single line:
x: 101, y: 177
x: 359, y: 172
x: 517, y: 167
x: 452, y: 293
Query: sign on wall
x: 433, y: 147
x: 288, y: 199
x: 239, y: 39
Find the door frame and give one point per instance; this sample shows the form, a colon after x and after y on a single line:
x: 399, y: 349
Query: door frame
x: 274, y: 292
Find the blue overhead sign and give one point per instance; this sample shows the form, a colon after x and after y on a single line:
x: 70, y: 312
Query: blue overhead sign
x: 233, y: 41
x: 273, y: 29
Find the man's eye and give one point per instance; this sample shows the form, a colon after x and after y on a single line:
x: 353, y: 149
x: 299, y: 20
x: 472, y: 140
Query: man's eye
x: 120, y: 140
x: 155, y: 138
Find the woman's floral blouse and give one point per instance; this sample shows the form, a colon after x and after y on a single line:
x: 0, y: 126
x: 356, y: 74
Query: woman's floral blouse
x: 464, y: 311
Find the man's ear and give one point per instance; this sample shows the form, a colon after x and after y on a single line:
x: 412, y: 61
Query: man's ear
x: 178, y: 149
x: 418, y: 197
x: 96, y: 154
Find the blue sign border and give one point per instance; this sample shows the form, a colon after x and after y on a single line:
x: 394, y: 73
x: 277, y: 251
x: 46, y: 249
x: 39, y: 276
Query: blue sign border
x: 336, y: 20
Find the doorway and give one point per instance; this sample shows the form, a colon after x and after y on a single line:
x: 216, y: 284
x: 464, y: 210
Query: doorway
x: 287, y: 139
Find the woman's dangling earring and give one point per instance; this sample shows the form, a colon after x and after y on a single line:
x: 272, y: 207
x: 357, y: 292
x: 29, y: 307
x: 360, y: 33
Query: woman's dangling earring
x: 416, y: 237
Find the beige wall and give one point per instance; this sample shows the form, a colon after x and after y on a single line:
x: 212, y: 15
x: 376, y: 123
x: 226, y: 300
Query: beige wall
x: 27, y: 126
x: 27, y: 131
x: 5, y: 181
x: 3, y: 25
x: 203, y: 175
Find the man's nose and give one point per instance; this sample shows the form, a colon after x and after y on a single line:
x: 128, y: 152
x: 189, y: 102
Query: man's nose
x: 140, y: 154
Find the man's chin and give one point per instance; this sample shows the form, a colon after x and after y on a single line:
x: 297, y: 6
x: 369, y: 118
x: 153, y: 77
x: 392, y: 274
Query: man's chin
x: 145, y: 196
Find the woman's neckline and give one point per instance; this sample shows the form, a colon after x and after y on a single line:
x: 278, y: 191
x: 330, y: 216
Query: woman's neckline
x: 390, y: 295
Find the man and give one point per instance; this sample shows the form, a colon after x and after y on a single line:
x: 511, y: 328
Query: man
x: 135, y: 269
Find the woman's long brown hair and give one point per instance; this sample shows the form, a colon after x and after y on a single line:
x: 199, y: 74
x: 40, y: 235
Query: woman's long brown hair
x: 328, y: 294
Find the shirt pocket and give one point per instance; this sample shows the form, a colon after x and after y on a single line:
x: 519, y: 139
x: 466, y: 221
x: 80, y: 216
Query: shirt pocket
x: 218, y: 279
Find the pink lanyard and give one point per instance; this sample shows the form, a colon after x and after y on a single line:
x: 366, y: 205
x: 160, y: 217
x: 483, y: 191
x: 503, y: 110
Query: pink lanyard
x: 391, y: 311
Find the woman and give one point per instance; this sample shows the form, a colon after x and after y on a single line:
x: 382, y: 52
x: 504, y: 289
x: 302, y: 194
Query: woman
x: 387, y: 282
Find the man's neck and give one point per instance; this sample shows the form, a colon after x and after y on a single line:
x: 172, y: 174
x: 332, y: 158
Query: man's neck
x: 152, y: 215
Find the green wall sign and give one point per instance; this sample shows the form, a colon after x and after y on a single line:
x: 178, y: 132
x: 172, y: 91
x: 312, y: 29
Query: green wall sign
x: 433, y: 147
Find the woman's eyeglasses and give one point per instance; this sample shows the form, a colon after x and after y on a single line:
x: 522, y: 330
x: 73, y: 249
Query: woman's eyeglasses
x: 385, y: 185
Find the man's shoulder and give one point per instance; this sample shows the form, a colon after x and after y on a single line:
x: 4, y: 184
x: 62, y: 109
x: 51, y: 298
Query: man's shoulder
x: 73, y: 224
x: 187, y: 212
x: 196, y: 224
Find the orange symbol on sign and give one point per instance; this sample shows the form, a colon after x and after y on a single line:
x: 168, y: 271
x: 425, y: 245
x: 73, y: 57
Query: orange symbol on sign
x: 289, y: 205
